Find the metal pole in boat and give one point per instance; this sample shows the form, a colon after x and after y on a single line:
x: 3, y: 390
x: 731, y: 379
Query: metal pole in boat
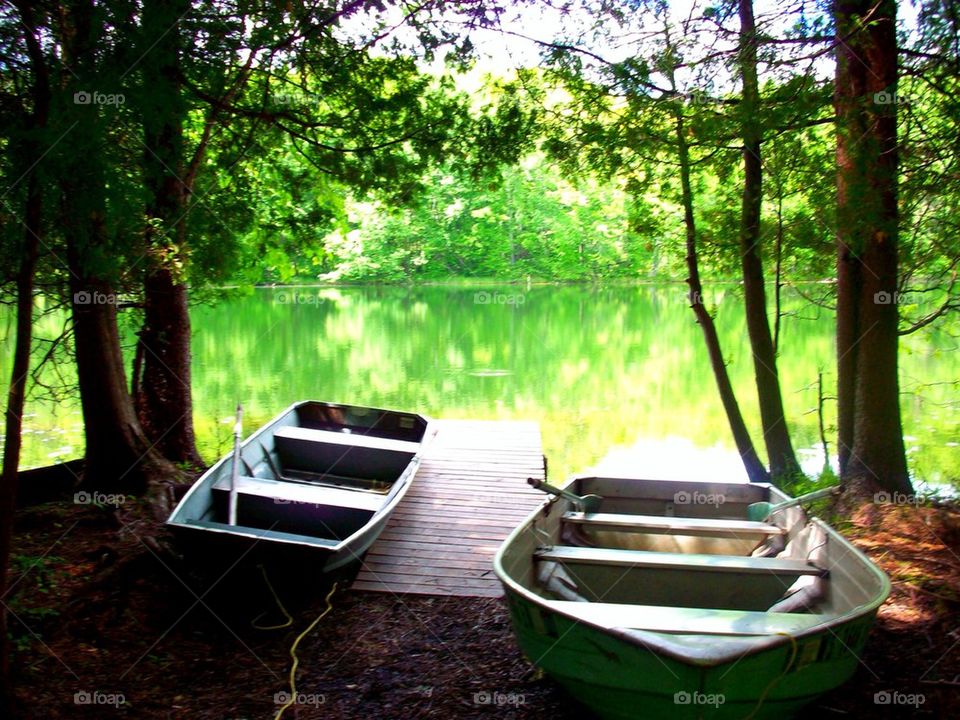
x: 235, y: 470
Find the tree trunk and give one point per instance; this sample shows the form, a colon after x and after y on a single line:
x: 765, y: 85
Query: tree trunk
x: 32, y: 148
x: 755, y: 470
x: 162, y: 392
x: 14, y: 410
x: 164, y: 399
x: 118, y: 455
x: 778, y: 274
x: 870, y: 432
x: 848, y: 332
x: 748, y: 454
x: 776, y: 434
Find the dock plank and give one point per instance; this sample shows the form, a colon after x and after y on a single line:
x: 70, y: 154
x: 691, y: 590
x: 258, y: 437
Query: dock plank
x: 470, y: 492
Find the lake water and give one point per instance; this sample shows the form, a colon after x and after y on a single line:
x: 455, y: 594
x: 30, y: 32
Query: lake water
x: 616, y: 376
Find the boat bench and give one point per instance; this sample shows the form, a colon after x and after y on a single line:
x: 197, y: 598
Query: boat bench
x: 265, y: 533
x: 678, y: 561
x: 281, y: 493
x: 299, y: 508
x: 656, y: 524
x: 345, y: 454
x: 706, y: 621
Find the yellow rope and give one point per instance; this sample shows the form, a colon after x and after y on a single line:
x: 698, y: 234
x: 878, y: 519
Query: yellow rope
x: 293, y: 654
x: 778, y: 678
x: 276, y: 599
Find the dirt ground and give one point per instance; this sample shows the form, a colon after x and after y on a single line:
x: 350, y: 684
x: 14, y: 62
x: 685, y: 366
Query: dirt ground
x: 102, y: 615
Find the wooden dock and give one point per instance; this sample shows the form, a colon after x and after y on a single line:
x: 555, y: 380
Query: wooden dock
x: 470, y: 492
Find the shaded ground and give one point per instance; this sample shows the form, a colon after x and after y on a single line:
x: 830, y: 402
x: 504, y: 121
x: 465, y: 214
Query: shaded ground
x: 103, y: 613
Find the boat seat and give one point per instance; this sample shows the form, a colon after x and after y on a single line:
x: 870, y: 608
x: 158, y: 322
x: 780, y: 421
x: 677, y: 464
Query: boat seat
x: 677, y: 561
x: 345, y: 438
x: 345, y: 454
x: 656, y: 524
x: 282, y: 493
x: 264, y: 533
x: 706, y: 621
x: 298, y: 508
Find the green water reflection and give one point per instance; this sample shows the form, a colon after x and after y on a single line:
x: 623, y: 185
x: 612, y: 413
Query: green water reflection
x: 601, y: 370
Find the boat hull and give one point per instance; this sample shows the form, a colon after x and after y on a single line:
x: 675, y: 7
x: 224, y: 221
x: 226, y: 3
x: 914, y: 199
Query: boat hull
x: 621, y: 680
x: 763, y: 664
x: 293, y: 507
x: 215, y: 547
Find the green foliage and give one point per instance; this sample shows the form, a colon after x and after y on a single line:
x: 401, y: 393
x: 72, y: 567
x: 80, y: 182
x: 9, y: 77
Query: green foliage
x: 532, y: 223
x: 802, y: 484
x: 42, y: 569
x: 43, y: 575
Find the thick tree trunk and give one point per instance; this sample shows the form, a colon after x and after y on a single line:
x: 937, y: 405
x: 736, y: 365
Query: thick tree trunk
x: 164, y: 398
x: 776, y: 434
x: 878, y: 451
x: 748, y: 454
x: 118, y: 455
x: 870, y: 430
x: 163, y: 395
